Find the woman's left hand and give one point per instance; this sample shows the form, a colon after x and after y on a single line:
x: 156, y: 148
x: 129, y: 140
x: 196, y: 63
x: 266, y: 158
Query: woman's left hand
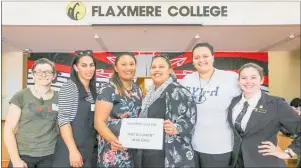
x: 268, y: 148
x: 169, y: 128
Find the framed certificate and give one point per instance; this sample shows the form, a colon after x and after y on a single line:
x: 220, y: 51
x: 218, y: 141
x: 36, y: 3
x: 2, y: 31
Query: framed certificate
x: 142, y: 133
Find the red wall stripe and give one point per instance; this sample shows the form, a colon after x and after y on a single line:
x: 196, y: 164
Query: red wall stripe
x: 260, y: 56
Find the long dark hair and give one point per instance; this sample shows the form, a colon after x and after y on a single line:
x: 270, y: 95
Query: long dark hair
x: 115, y: 78
x: 74, y: 76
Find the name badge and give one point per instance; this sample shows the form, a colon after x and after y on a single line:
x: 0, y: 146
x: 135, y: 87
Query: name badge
x: 92, y: 107
x: 55, y: 107
x: 260, y: 109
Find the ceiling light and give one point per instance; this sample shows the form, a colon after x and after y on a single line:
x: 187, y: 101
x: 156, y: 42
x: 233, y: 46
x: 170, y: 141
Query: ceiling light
x: 96, y: 36
x: 292, y: 36
x: 197, y: 36
x: 27, y: 51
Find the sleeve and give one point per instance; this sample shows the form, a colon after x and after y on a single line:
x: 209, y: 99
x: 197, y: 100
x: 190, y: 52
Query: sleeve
x: 17, y: 99
x: 67, y: 103
x: 181, y: 105
x: 106, y: 93
x: 292, y: 122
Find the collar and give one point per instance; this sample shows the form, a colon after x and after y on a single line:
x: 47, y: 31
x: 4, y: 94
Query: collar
x: 253, y: 100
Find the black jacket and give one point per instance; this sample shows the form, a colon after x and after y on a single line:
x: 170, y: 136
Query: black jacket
x: 264, y: 126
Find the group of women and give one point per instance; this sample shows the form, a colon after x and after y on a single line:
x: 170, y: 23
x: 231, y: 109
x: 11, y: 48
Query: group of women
x: 49, y: 129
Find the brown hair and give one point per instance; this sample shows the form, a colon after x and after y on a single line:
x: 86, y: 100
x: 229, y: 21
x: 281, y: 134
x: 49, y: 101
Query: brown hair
x: 115, y: 78
x: 43, y: 61
x: 252, y: 65
x: 207, y: 45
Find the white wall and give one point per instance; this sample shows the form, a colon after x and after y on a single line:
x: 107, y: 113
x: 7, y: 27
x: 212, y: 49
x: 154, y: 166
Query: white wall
x: 12, y: 76
x: 143, y: 65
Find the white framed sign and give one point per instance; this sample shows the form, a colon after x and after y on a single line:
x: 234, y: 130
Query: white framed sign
x: 106, y: 13
x: 142, y: 133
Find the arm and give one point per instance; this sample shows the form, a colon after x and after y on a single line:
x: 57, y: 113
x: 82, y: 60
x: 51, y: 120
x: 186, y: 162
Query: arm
x: 102, y: 112
x: 67, y: 136
x: 67, y: 102
x: 185, y: 110
x: 12, y: 120
x: 292, y: 122
x: 103, y: 108
x: 11, y: 123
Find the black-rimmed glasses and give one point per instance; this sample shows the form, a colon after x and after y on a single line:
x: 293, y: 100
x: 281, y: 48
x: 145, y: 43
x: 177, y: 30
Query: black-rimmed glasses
x: 40, y: 73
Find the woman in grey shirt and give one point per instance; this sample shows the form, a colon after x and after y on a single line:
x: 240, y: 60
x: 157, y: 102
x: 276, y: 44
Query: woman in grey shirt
x: 30, y: 130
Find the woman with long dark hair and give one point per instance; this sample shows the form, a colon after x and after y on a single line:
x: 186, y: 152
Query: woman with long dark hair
x: 76, y: 114
x: 121, y: 98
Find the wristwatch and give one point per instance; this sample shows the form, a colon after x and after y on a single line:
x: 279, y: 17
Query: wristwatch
x: 287, y: 151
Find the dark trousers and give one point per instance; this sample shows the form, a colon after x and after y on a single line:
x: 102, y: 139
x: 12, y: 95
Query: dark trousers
x: 35, y: 162
x: 94, y: 156
x: 212, y: 160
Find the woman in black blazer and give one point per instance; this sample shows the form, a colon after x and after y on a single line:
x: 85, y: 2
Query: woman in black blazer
x: 256, y: 118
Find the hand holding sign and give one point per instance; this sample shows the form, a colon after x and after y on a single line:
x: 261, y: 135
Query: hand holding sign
x: 142, y: 133
x: 169, y: 128
x: 116, y: 145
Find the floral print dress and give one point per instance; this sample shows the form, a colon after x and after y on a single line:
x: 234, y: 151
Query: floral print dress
x: 123, y: 107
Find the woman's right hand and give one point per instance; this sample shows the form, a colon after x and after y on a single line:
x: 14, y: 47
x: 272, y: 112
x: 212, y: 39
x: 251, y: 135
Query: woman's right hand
x: 19, y: 163
x: 116, y: 145
x: 75, y: 158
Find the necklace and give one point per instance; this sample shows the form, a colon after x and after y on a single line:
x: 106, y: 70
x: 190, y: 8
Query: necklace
x: 203, y: 89
x: 41, y: 96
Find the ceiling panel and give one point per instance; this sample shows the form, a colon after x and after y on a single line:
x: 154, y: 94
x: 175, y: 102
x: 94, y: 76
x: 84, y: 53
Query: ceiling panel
x: 150, y: 38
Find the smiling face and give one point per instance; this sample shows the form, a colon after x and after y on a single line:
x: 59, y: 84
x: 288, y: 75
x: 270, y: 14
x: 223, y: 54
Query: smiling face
x: 126, y: 67
x: 43, y: 74
x: 250, y: 80
x: 85, y: 68
x: 160, y: 71
x: 202, y: 59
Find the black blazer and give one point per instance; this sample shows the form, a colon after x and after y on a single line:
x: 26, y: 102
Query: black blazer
x: 264, y: 125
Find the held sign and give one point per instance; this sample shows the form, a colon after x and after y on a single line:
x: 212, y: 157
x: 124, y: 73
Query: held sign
x: 142, y: 133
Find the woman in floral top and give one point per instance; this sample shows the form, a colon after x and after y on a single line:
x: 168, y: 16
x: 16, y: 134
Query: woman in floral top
x: 121, y: 98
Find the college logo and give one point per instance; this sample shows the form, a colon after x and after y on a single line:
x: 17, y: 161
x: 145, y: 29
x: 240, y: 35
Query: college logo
x: 76, y: 10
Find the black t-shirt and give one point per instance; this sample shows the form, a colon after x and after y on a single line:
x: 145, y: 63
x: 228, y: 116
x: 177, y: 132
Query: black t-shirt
x: 155, y: 158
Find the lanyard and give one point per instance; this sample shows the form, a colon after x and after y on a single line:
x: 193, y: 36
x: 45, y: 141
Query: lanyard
x: 201, y: 95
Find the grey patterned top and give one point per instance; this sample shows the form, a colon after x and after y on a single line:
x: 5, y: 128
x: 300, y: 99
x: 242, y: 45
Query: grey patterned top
x: 181, y: 110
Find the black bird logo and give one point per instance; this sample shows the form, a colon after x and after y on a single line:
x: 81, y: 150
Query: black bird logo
x: 76, y: 10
